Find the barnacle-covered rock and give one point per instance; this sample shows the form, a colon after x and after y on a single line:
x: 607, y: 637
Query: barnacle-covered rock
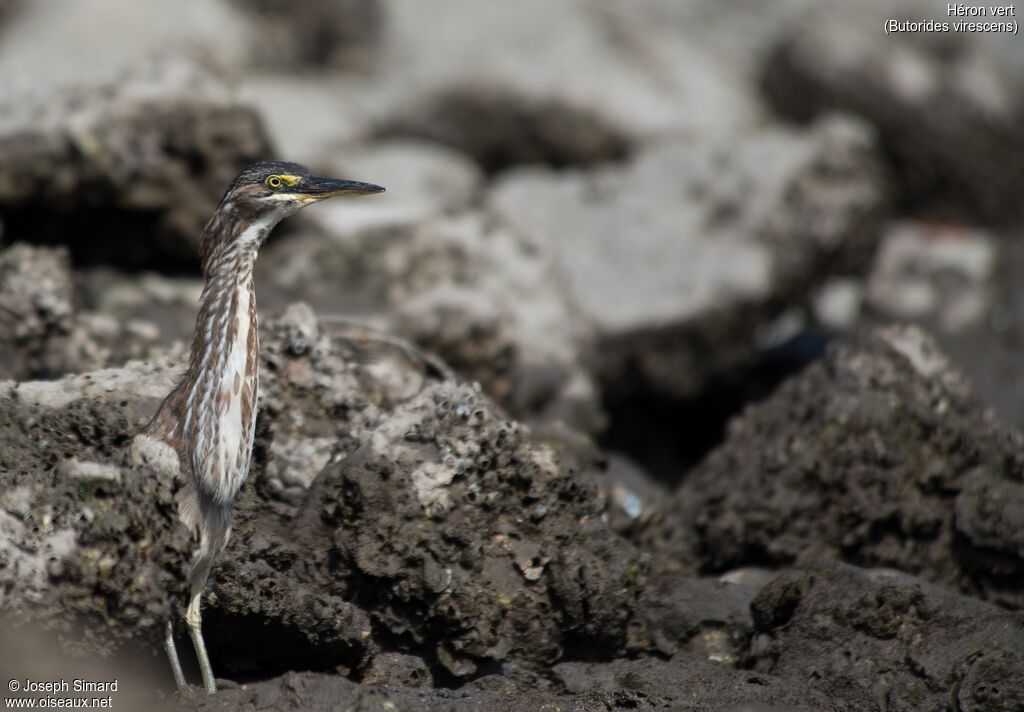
x: 436, y: 525
x: 879, y: 455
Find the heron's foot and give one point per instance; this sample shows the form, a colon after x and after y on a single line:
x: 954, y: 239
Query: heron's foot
x: 195, y: 631
x: 187, y: 695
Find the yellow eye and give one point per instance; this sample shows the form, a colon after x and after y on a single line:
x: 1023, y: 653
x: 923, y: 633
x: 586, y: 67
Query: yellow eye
x: 274, y: 182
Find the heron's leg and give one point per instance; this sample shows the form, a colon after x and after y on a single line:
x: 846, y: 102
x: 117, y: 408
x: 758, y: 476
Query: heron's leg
x: 172, y: 657
x: 195, y: 631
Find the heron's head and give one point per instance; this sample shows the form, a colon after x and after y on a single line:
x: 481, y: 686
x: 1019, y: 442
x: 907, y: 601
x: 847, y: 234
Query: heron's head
x: 278, y: 187
x: 265, y: 193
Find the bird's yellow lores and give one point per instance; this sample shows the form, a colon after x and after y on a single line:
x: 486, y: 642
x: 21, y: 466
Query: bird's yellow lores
x: 276, y: 181
x: 210, y: 416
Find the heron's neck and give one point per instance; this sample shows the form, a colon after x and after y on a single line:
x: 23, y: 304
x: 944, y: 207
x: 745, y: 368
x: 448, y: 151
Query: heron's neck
x: 227, y: 308
x: 228, y: 292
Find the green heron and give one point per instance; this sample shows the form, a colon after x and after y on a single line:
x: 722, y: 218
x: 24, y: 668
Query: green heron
x: 210, y: 416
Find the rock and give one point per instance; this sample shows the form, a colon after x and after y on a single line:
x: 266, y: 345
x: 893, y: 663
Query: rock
x: 503, y: 128
x: 420, y: 532
x: 88, y: 547
x: 323, y: 692
x: 331, y: 120
x: 946, y: 104
x: 879, y: 455
x: 686, y: 683
x: 73, y: 467
x: 47, y: 331
x: 886, y: 640
x: 128, y: 172
x: 48, y: 422
x: 397, y: 670
x: 649, y: 684
x: 838, y: 303
x: 704, y: 617
x: 126, y: 317
x: 738, y: 35
x: 341, y: 33
x: 295, y: 465
x: 44, y: 44
x: 938, y: 275
x: 481, y: 296
x: 35, y: 309
x: 9, y: 9
x: 675, y: 259
x: 236, y: 34
x: 427, y: 514
x: 455, y: 74
x: 423, y: 181
x: 99, y: 341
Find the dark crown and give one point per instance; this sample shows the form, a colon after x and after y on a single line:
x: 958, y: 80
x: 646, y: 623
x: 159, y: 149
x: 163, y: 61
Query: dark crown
x: 258, y: 172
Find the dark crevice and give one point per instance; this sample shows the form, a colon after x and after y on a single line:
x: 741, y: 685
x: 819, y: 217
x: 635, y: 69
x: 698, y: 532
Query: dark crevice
x: 668, y: 436
x: 127, y: 239
x: 249, y: 648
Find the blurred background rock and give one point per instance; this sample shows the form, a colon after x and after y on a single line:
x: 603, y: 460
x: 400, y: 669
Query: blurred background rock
x: 628, y: 222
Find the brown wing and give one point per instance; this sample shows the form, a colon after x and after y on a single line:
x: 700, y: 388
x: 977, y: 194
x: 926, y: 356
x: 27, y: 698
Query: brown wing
x: 165, y: 425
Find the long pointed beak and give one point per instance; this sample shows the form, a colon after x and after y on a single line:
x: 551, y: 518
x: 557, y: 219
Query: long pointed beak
x: 320, y: 188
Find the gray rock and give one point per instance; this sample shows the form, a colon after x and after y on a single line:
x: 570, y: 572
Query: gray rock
x: 839, y: 302
x: 125, y: 172
x: 648, y: 684
x: 341, y: 33
x: 416, y: 532
x: 946, y: 104
x: 9, y: 9
x: 35, y: 310
x: 456, y: 74
x: 937, y: 275
x: 480, y: 295
x: 883, y: 640
x: 75, y: 468
x: 48, y: 47
x: 879, y: 455
x: 423, y: 181
x: 686, y: 683
x: 124, y: 317
x: 990, y: 516
x: 319, y: 692
x: 468, y: 76
x: 48, y: 422
x: 331, y: 120
x: 426, y: 517
x: 397, y: 670
x: 705, y: 618
x: 47, y: 331
x: 676, y: 258
x: 295, y: 465
x: 100, y: 552
x: 99, y: 340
